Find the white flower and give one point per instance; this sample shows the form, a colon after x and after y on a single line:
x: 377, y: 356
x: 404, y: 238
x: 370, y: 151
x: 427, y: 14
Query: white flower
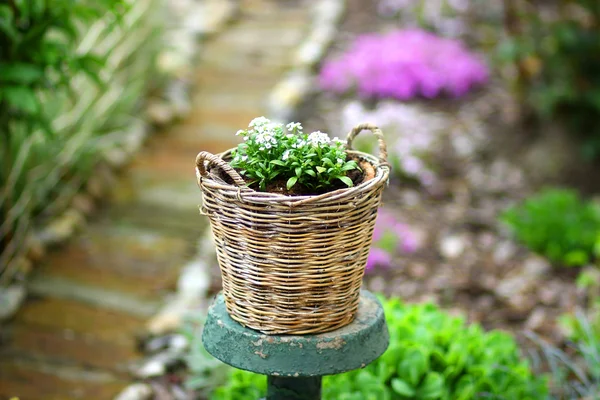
x: 268, y: 145
x: 340, y: 161
x: 240, y: 132
x: 272, y: 127
x: 318, y: 138
x: 263, y: 138
x: 294, y: 126
x: 260, y: 121
x: 286, y: 155
x: 244, y: 158
x: 261, y: 148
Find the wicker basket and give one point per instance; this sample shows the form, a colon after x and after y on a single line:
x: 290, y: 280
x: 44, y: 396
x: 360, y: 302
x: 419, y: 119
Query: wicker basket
x: 292, y: 264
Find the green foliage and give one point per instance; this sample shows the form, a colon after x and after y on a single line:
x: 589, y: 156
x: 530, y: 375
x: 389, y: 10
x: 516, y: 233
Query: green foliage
x: 71, y: 75
x: 558, y: 60
x: 575, y: 373
x: 557, y: 224
x: 38, y: 50
x: 581, y: 327
x: 313, y: 161
x: 431, y: 356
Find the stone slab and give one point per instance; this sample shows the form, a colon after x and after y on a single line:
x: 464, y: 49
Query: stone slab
x: 60, y: 287
x: 25, y: 341
x: 139, y: 263
x: 80, y: 319
x: 253, y: 81
x: 30, y: 381
x: 351, y: 347
x: 179, y: 223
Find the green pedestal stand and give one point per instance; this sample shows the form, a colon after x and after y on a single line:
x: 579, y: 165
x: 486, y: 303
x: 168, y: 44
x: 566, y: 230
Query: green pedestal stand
x: 294, y: 365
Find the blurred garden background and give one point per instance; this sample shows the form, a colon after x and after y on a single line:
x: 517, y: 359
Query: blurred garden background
x: 486, y: 250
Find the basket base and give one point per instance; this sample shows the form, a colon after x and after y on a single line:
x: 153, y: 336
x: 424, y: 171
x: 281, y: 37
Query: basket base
x: 340, y: 315
x: 351, y: 347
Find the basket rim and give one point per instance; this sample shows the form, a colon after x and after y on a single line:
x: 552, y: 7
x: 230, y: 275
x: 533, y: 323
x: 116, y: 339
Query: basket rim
x: 382, y: 171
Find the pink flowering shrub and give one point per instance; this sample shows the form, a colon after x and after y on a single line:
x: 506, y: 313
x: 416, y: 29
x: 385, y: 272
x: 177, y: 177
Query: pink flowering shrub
x: 390, y: 237
x: 404, y: 64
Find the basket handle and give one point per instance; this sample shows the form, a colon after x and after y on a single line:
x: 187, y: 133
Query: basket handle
x: 376, y: 131
x: 201, y: 171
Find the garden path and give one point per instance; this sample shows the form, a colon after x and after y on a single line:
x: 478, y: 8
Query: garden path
x: 75, y: 336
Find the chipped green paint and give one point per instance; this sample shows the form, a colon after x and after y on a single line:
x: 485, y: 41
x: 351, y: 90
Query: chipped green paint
x: 351, y: 347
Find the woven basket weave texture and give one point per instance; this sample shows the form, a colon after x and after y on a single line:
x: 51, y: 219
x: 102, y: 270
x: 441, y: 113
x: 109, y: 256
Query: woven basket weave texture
x: 292, y: 264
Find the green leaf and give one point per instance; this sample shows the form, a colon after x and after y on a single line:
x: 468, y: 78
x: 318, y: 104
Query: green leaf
x: 273, y: 175
x: 6, y: 14
x: 346, y: 180
x: 576, y: 257
x: 587, y: 279
x: 402, y: 388
x: 37, y: 8
x: 278, y: 162
x: 291, y: 182
x: 310, y: 172
x: 20, y: 73
x: 68, y: 28
x: 321, y: 169
x: 432, y: 387
x: 349, y: 166
x: 413, y: 365
x: 51, y: 52
x: 327, y: 161
x: 6, y: 22
x: 465, y: 388
x: 23, y: 7
x: 91, y: 65
x: 21, y: 98
x: 298, y: 171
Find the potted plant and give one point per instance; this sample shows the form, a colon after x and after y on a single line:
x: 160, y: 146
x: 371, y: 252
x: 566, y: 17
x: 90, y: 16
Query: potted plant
x: 292, y: 216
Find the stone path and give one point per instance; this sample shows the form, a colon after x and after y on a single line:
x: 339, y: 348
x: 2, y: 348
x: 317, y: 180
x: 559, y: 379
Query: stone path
x: 75, y: 336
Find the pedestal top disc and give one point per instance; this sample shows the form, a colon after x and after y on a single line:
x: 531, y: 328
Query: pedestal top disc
x: 351, y: 347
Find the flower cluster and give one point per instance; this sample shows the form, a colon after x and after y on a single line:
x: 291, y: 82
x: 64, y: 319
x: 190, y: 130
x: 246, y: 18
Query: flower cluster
x: 273, y: 151
x: 404, y: 64
x: 389, y: 238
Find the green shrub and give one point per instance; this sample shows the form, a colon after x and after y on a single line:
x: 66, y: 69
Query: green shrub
x: 431, y: 355
x: 72, y: 74
x: 38, y: 49
x: 558, y: 59
x: 557, y: 224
